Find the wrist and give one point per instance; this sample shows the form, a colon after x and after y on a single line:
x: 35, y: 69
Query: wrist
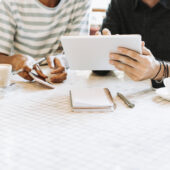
x: 11, y: 58
x: 5, y: 59
x: 157, y: 71
x: 163, y: 72
x: 12, y: 62
x: 15, y: 60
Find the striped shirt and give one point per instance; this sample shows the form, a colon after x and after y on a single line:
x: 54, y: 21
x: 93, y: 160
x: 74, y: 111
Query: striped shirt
x: 30, y: 28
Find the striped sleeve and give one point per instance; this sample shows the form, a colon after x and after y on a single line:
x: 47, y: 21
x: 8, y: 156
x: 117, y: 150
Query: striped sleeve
x: 79, y: 22
x: 7, y: 28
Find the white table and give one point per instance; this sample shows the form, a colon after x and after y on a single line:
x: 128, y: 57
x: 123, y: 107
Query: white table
x: 34, y: 137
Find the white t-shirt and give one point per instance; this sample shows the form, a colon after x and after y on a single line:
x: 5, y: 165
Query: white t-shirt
x: 30, y: 28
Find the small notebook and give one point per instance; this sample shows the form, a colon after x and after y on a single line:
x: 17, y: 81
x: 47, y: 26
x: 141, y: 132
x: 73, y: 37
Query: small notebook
x: 91, y: 100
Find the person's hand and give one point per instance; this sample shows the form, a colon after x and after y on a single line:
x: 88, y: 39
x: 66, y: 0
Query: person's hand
x: 105, y: 31
x: 58, y: 71
x: 26, y: 63
x: 137, y: 66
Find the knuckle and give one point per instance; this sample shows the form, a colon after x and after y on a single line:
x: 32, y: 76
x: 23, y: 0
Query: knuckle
x: 114, y: 57
x: 125, y: 60
x: 124, y: 51
x: 62, y: 68
x: 129, y: 52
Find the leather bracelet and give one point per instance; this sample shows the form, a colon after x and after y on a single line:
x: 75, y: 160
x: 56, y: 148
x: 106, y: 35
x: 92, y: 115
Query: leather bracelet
x: 160, y: 67
x: 167, y: 70
x: 164, y: 73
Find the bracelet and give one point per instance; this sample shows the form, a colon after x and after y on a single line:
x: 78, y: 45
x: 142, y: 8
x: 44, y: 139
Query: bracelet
x: 160, y: 67
x: 164, y: 73
x: 167, y: 70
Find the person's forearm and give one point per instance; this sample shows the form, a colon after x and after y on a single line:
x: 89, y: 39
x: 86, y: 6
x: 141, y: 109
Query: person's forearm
x: 13, y: 60
x: 4, y: 59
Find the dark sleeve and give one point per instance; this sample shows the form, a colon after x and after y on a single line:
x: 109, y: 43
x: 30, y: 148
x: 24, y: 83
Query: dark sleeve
x: 157, y: 85
x: 112, y: 20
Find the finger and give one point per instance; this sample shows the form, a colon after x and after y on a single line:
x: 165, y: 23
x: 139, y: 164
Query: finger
x: 124, y: 59
x: 26, y: 76
x: 122, y: 67
x: 39, y: 72
x: 98, y: 33
x: 143, y: 44
x: 58, y: 70
x: 59, y: 78
x: 106, y: 32
x: 130, y: 53
x: 57, y: 63
x: 27, y: 68
x: 50, y: 62
x: 146, y: 51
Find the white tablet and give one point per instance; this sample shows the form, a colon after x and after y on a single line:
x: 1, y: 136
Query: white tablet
x: 92, y: 52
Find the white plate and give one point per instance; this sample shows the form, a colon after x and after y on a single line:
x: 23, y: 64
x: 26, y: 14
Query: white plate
x: 163, y: 92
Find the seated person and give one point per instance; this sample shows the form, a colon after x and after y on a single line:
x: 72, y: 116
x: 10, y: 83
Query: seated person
x: 150, y: 18
x: 32, y: 29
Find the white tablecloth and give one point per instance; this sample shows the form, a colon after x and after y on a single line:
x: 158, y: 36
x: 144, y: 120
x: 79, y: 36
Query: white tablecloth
x: 38, y: 131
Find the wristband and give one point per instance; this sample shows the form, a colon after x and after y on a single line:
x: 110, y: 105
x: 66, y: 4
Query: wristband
x: 164, y: 73
x: 160, y: 67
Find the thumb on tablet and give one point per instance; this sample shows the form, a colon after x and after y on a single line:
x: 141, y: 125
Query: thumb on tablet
x: 106, y: 31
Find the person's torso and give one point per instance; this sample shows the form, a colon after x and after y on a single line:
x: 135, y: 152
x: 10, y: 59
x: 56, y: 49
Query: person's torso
x: 39, y: 28
x: 153, y: 24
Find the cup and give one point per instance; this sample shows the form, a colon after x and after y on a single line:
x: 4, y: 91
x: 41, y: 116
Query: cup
x: 5, y: 75
x: 167, y: 84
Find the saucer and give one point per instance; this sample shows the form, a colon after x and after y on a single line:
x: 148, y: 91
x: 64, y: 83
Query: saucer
x: 163, y: 92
